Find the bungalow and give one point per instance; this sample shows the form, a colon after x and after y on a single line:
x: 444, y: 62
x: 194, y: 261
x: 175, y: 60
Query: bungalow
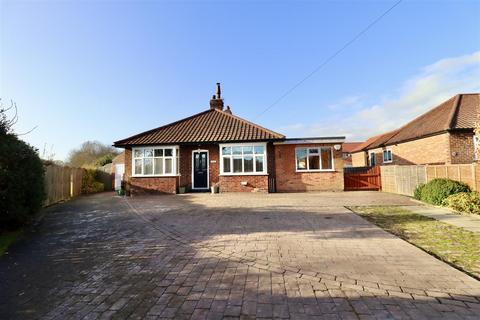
x: 215, y: 147
x: 443, y: 135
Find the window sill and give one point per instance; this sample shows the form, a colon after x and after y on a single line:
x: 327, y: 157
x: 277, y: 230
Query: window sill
x: 156, y: 176
x: 310, y: 171
x: 244, y: 174
x: 388, y: 161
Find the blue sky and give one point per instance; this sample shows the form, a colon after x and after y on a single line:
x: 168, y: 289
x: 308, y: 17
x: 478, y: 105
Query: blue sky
x: 106, y: 70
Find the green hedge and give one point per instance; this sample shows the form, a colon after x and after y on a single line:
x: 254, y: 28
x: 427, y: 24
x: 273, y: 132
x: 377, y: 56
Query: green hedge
x: 467, y: 202
x: 21, y: 181
x: 91, y: 183
x: 437, y: 190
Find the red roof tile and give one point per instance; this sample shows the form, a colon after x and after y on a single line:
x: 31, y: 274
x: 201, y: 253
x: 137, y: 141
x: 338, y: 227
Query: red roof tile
x: 350, y: 146
x: 457, y: 113
x: 212, y: 125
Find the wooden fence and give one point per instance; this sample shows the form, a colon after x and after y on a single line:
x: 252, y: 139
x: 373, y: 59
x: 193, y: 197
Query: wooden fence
x: 62, y: 183
x: 404, y: 179
x: 362, y: 178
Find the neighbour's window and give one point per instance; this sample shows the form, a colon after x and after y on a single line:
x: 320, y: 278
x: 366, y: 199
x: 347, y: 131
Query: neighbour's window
x: 387, y: 156
x: 243, y: 159
x: 155, y: 161
x: 372, y: 159
x: 314, y: 159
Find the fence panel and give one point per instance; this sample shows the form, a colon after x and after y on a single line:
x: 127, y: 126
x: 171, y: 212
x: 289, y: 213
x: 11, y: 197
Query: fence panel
x: 62, y: 183
x: 404, y: 179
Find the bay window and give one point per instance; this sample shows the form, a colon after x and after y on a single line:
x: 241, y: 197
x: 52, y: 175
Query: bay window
x: 155, y: 161
x: 243, y: 159
x: 314, y: 159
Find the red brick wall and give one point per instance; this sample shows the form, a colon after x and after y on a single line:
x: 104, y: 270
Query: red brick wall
x: 461, y: 148
x: 234, y: 183
x: 288, y: 180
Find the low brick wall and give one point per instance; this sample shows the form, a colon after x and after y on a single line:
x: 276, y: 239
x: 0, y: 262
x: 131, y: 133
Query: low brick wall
x: 234, y: 183
x: 153, y: 185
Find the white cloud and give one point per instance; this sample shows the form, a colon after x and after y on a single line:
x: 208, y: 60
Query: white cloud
x: 434, y: 83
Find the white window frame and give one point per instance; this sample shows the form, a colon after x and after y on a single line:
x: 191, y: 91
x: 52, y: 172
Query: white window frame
x: 175, y: 157
x: 254, y: 173
x: 370, y: 159
x: 391, y: 155
x: 320, y: 155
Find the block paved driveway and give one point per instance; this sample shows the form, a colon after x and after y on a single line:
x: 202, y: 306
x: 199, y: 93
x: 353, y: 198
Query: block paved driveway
x: 227, y: 256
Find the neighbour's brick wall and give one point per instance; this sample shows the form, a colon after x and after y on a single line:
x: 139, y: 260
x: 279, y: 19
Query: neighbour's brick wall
x: 461, y: 147
x: 234, y: 183
x: 288, y: 180
x: 429, y: 150
x: 137, y: 185
x: 359, y: 159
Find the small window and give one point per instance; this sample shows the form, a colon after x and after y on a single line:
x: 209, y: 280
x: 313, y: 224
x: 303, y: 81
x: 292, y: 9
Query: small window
x: 387, y: 156
x: 372, y: 159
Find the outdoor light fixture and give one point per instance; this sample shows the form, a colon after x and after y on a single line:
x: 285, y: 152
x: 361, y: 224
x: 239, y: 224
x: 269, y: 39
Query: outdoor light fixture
x: 337, y: 147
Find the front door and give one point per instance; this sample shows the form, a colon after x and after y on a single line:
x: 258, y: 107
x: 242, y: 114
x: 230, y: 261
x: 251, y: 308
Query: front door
x: 200, y: 170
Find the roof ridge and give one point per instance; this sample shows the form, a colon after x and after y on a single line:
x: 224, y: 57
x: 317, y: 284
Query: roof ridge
x: 250, y: 123
x: 453, y: 113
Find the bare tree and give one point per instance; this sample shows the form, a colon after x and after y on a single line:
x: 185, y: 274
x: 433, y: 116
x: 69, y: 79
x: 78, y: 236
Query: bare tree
x: 91, y: 154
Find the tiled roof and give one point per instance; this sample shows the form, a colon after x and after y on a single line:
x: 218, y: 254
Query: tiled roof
x: 375, y: 141
x: 350, y: 146
x: 457, y: 113
x: 209, y: 126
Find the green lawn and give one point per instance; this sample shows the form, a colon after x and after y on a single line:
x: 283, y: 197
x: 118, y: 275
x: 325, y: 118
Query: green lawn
x: 454, y: 245
x: 7, y: 238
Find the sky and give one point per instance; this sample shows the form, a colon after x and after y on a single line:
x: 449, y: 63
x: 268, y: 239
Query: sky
x: 105, y: 70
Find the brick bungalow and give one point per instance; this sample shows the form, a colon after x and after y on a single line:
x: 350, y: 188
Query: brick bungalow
x: 215, y: 147
x: 443, y: 135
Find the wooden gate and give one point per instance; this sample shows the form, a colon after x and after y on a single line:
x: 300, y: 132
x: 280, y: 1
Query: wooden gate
x: 362, y: 178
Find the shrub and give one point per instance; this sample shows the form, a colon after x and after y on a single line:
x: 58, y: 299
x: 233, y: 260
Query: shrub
x: 468, y: 202
x: 437, y: 190
x: 21, y: 181
x: 90, y: 182
x: 417, y: 194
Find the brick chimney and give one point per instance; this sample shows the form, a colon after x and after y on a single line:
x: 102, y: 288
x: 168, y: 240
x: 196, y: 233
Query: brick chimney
x: 217, y: 102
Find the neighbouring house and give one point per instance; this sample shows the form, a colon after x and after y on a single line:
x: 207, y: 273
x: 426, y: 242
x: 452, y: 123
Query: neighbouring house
x: 347, y: 149
x: 217, y: 148
x: 443, y: 135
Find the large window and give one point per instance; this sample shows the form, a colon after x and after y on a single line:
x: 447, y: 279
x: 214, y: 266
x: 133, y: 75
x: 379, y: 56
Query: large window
x: 314, y: 159
x: 155, y: 161
x: 387, y: 156
x: 243, y: 159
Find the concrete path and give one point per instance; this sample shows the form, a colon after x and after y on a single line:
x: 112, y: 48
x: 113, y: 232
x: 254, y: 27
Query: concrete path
x: 249, y: 256
x: 468, y: 222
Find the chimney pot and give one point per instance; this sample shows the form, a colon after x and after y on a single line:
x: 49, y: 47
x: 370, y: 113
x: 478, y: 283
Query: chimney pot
x: 217, y: 102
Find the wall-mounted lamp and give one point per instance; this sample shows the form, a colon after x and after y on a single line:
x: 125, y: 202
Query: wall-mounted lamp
x: 337, y: 147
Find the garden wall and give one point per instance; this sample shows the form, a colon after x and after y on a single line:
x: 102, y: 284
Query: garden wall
x: 404, y: 179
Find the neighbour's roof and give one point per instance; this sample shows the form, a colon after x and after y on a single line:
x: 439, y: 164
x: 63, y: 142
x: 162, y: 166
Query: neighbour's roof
x: 350, y: 146
x: 457, y: 113
x: 213, y: 125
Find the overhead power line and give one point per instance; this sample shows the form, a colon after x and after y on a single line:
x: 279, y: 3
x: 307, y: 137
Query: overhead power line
x: 331, y: 57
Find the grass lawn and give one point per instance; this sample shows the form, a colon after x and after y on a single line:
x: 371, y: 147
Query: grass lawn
x: 7, y: 238
x: 454, y: 245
